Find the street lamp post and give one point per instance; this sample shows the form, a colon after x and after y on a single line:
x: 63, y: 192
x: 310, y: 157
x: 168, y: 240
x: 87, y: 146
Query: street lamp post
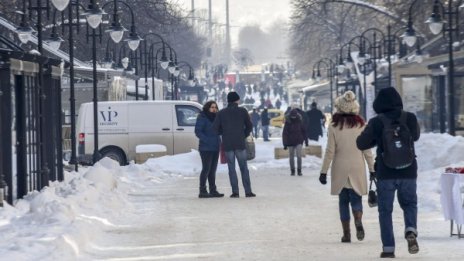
x: 153, y: 64
x: 330, y: 67
x: 145, y: 57
x: 94, y: 17
x: 436, y: 26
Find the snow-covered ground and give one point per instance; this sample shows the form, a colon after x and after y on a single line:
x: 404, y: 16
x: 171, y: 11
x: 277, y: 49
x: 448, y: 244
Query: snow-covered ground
x: 100, y: 211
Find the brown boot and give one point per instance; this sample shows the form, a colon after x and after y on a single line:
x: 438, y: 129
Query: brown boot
x: 346, y: 232
x: 358, y: 224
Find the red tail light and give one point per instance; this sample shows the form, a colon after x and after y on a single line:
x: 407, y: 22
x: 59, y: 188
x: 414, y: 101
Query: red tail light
x: 81, y: 138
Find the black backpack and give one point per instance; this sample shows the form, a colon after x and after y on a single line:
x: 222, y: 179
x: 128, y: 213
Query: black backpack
x: 398, y: 145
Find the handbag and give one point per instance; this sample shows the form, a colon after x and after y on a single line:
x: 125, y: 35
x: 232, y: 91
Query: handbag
x: 372, y: 196
x: 250, y: 147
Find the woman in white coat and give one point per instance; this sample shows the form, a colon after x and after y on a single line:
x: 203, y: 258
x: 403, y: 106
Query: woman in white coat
x: 348, y: 170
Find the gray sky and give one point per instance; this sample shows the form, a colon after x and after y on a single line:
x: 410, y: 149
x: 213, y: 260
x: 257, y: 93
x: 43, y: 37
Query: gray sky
x: 244, y: 12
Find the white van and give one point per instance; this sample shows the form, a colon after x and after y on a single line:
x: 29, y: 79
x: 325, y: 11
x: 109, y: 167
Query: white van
x: 122, y: 125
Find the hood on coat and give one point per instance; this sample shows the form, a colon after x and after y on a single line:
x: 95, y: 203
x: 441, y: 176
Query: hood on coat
x: 387, y: 100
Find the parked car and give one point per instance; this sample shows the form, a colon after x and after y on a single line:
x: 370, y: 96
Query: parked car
x: 122, y: 125
x: 277, y: 117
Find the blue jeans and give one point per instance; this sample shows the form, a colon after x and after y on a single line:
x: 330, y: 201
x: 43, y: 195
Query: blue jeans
x: 265, y: 132
x: 407, y: 198
x: 345, y: 198
x: 241, y: 156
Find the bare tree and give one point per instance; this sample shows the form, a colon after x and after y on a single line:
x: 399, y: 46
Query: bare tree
x: 320, y: 27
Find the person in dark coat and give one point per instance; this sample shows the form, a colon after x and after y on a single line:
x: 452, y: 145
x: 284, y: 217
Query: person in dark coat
x: 234, y: 124
x: 404, y: 181
x: 208, y: 147
x: 255, y: 118
x: 293, y: 136
x: 315, y: 121
x: 265, y: 121
x: 278, y: 103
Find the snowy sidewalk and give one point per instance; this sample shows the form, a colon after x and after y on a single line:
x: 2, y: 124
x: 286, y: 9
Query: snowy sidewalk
x: 292, y: 218
x: 152, y: 212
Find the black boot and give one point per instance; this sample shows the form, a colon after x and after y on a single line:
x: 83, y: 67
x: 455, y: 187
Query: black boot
x: 292, y: 172
x: 203, y: 193
x: 358, y: 224
x: 346, y: 232
x: 299, y: 172
x: 214, y: 193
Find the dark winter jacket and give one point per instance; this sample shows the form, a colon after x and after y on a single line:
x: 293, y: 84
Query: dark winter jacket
x: 294, y: 132
x: 265, y: 120
x: 388, y: 102
x: 255, y: 118
x: 314, y: 125
x: 209, y: 140
x: 234, y: 124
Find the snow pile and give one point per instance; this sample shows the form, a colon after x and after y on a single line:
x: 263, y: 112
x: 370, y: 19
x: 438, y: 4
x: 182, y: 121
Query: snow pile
x: 150, y: 148
x: 57, y: 222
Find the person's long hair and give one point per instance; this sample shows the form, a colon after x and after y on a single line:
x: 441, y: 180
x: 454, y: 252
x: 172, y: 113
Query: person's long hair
x: 208, y: 105
x: 210, y: 115
x: 349, y: 120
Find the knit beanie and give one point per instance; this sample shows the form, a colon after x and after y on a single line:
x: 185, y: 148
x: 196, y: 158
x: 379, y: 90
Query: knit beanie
x: 232, y: 97
x: 347, y: 103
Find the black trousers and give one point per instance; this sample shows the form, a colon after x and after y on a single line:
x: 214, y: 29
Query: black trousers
x: 209, y: 160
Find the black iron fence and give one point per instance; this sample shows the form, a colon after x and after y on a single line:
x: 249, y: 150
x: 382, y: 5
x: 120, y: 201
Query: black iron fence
x: 30, y: 123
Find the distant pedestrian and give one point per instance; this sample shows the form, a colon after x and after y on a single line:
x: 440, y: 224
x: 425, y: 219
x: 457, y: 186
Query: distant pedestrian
x: 209, y: 142
x: 255, y: 118
x: 403, y: 178
x: 265, y: 121
x: 348, y: 173
x: 234, y: 125
x: 315, y: 122
x: 278, y: 103
x: 293, y: 137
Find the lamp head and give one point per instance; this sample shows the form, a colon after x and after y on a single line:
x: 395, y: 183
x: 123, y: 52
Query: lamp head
x: 60, y: 5
x: 94, y: 15
x: 410, y: 37
x: 24, y: 32
x: 54, y: 41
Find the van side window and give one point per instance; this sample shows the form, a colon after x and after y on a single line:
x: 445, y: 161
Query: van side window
x: 186, y: 115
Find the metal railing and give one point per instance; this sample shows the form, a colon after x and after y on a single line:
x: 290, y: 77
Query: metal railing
x: 30, y: 123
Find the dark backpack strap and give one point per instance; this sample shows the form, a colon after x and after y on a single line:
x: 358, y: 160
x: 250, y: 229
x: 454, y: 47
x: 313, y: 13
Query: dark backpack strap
x: 403, y: 118
x: 385, y: 121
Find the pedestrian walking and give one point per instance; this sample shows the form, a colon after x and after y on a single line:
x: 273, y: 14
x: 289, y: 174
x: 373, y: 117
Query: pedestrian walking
x: 234, y: 125
x: 255, y: 118
x: 315, y: 122
x: 396, y: 166
x: 265, y: 121
x: 293, y: 136
x: 348, y: 174
x: 208, y: 147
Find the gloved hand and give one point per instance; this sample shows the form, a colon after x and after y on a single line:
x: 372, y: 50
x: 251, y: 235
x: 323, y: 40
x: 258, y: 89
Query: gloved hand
x: 372, y: 176
x: 285, y: 147
x: 323, y: 178
x: 306, y: 143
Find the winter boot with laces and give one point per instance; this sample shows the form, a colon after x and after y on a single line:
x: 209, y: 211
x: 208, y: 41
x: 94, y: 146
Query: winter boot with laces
x: 346, y: 232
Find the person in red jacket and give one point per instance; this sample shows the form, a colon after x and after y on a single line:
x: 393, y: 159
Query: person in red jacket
x: 293, y: 136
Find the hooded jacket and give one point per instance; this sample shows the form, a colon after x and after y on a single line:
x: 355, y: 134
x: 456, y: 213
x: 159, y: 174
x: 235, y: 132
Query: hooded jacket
x: 388, y: 102
x: 294, y: 132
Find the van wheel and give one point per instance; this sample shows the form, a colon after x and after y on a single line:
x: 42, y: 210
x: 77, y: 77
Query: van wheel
x: 114, y: 154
